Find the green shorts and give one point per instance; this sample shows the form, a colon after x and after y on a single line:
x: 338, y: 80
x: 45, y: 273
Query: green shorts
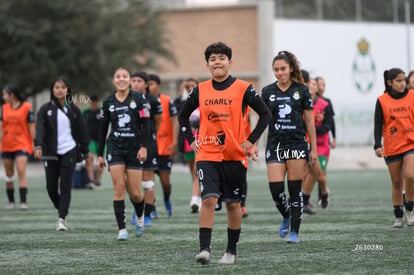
x: 93, y: 147
x: 323, y: 160
x: 189, y: 156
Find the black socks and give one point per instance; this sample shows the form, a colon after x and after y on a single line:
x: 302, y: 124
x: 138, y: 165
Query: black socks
x: 277, y: 189
x: 205, y: 238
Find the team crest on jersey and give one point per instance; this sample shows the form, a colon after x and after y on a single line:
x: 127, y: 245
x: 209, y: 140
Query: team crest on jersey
x: 296, y: 95
x: 132, y: 104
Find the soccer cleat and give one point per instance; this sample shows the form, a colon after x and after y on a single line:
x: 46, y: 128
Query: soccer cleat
x: 23, y: 206
x: 218, y: 206
x: 61, y: 225
x: 122, y: 235
x: 90, y: 185
x: 293, y: 237
x: 154, y: 214
x: 320, y: 198
x: 409, y: 217
x: 134, y: 218
x: 324, y: 200
x: 398, y: 223
x: 147, y: 221
x: 309, y: 209
x: 203, y: 257
x: 10, y: 206
x: 195, y: 204
x: 169, y: 207
x: 244, y: 212
x: 228, y: 258
x: 284, y: 227
x: 139, y: 227
x: 194, y: 208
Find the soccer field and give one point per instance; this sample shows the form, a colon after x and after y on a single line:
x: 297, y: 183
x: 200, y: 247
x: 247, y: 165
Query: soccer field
x: 353, y: 235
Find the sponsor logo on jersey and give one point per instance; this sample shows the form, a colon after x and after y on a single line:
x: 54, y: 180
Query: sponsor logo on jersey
x: 218, y: 101
x: 393, y: 131
x: 118, y: 134
x: 282, y: 153
x: 123, y: 119
x: 284, y: 110
x: 213, y: 116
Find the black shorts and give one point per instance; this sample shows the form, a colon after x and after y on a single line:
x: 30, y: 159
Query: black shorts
x: 399, y: 157
x: 221, y: 179
x: 164, y: 164
x: 13, y: 155
x: 130, y: 162
x: 152, y: 162
x: 284, y: 153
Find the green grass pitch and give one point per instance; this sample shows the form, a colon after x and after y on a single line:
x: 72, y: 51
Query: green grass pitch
x: 352, y: 236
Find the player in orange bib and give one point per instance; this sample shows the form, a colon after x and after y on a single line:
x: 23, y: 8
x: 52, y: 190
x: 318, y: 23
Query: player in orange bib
x: 17, y: 127
x: 167, y: 139
x: 394, y: 122
x: 222, y: 145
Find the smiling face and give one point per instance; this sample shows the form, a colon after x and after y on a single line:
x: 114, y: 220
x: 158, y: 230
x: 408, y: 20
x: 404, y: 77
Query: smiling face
x: 282, y: 71
x: 219, y: 65
x: 398, y: 83
x: 121, y: 80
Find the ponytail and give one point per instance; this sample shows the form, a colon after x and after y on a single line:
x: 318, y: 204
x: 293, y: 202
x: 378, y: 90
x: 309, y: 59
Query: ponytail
x: 390, y: 75
x: 12, y: 89
x: 290, y: 58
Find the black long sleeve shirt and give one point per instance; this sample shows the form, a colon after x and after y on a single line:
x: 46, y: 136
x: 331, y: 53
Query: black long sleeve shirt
x: 330, y: 106
x: 379, y: 118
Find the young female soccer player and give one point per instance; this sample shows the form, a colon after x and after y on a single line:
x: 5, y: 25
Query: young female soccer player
x: 139, y: 83
x: 126, y: 147
x: 394, y: 122
x: 17, y: 128
x: 287, y: 149
x: 60, y: 135
x: 222, y: 144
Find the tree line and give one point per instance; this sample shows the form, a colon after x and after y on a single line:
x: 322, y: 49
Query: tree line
x: 84, y: 41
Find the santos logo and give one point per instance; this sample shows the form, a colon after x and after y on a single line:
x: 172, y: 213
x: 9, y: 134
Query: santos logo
x: 123, y: 119
x: 284, y: 110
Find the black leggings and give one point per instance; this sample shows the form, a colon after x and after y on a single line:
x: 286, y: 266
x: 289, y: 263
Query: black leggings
x: 61, y: 168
